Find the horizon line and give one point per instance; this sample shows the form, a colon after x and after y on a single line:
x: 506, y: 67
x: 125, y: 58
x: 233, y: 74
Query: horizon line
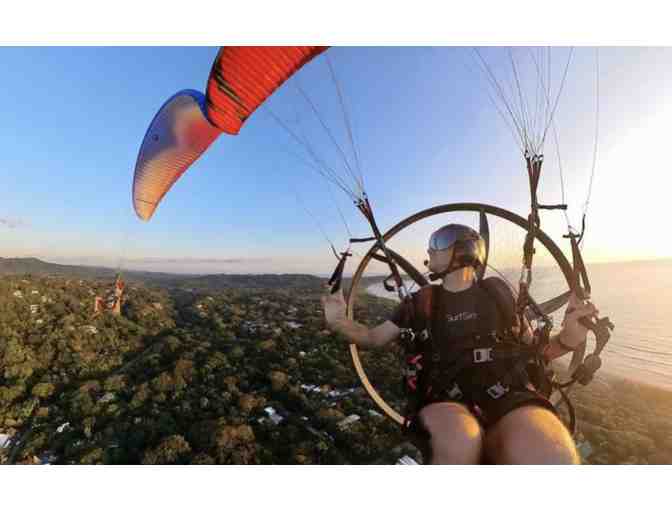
x: 319, y: 275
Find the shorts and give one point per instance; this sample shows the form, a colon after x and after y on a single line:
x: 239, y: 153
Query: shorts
x: 489, y: 411
x: 474, y: 390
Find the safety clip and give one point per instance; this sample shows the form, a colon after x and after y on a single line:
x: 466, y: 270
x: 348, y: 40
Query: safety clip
x: 455, y: 392
x: 483, y: 355
x: 497, y: 390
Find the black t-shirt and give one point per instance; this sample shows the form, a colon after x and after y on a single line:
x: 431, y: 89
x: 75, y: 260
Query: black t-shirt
x: 460, y: 323
x: 455, y: 314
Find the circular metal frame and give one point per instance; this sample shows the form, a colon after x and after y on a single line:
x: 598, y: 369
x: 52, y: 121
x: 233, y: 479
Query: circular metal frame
x: 546, y: 241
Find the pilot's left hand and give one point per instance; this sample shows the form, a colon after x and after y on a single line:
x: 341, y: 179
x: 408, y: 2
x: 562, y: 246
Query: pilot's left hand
x: 574, y: 333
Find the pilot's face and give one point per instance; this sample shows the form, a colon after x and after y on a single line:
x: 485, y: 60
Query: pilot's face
x: 439, y: 259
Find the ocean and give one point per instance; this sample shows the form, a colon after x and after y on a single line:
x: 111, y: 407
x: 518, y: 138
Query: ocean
x: 637, y: 296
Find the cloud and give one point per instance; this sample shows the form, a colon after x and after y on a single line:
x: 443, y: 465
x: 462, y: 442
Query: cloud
x: 195, y: 261
x: 157, y: 261
x: 12, y: 223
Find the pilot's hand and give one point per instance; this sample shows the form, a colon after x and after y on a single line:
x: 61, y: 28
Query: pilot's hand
x: 574, y: 333
x: 334, y: 305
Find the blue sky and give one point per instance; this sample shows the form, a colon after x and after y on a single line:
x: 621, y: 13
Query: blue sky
x: 74, y: 118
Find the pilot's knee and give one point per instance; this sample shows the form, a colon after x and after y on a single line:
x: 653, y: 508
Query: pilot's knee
x: 531, y: 435
x: 455, y: 434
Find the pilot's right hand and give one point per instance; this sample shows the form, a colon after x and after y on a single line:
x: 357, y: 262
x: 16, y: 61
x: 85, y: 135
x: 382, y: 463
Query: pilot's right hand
x: 334, y: 305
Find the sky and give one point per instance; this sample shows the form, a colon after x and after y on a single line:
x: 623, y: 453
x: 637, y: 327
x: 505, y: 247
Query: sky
x: 425, y: 128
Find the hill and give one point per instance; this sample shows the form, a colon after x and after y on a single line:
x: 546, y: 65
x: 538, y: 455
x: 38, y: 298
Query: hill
x: 213, y: 282
x: 31, y: 265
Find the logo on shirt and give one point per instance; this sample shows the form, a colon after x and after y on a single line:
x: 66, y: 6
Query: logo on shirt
x: 462, y: 316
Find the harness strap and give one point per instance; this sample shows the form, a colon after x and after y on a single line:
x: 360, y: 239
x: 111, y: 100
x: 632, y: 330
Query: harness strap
x: 441, y: 374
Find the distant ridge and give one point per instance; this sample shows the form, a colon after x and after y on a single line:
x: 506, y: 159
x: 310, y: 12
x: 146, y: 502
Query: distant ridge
x: 37, y: 267
x: 32, y: 265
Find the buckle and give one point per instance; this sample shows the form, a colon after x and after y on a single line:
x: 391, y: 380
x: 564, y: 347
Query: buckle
x: 497, y: 390
x: 410, y: 372
x: 483, y: 355
x: 407, y: 335
x: 455, y: 392
x: 424, y: 334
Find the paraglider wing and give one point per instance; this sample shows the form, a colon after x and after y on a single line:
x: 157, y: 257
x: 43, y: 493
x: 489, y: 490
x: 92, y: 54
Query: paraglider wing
x: 242, y: 77
x: 177, y: 136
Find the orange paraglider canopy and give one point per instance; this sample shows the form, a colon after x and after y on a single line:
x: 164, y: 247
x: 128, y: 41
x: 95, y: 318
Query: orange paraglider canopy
x: 176, y: 137
x: 242, y: 77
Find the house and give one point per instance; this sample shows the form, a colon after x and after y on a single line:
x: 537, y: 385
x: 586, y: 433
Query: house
x: 4, y: 440
x: 17, y: 294
x: 273, y: 415
x: 108, y: 397
x: 346, y: 422
x: 34, y: 309
x: 276, y: 419
x: 407, y: 461
x: 47, y: 458
x: 340, y: 393
x: 311, y: 387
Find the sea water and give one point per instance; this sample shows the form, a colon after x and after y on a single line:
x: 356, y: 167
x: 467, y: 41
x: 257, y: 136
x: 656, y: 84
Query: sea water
x: 637, y: 297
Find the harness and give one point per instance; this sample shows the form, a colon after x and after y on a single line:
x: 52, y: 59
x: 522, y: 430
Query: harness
x: 438, y: 365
